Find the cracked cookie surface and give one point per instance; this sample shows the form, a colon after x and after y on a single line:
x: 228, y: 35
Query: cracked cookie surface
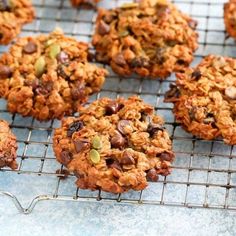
x: 151, y: 38
x: 114, y: 145
x: 13, y: 15
x: 8, y: 146
x: 204, y: 99
x: 48, y: 76
x: 230, y: 17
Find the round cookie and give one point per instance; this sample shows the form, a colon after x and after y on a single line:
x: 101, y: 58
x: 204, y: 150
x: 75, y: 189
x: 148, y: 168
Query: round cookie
x: 13, y: 15
x: 48, y: 76
x: 114, y: 145
x: 230, y: 17
x: 76, y: 3
x: 8, y: 146
x: 204, y: 99
x: 151, y: 38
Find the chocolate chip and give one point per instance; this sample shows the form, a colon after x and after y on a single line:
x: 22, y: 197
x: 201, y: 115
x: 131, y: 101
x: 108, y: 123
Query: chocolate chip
x: 41, y: 91
x: 65, y: 173
x: 66, y: 157
x: 166, y: 156
x: 127, y: 158
x: 113, y: 108
x: 33, y: 83
x: 153, y: 128
x: 5, y: 5
x: 118, y: 141
x: 81, y: 145
x: 103, y: 28
x: 172, y: 94
x: 61, y: 71
x: 192, y: 24
x: 30, y: 48
x: 119, y: 59
x: 196, y: 75
x: 121, y: 126
x: 139, y: 62
x: 62, y: 57
x: 152, y: 175
x: 112, y: 163
x: 74, y: 127
x: 181, y: 62
x: 5, y: 72
x: 77, y: 93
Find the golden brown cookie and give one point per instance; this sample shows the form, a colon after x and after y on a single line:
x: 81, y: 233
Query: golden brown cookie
x: 13, y: 15
x: 8, y: 146
x: 151, y: 38
x: 204, y: 99
x: 230, y: 17
x: 48, y: 76
x: 114, y: 145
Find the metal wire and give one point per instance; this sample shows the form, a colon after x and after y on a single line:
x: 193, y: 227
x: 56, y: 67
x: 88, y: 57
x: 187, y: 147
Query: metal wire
x: 204, y: 172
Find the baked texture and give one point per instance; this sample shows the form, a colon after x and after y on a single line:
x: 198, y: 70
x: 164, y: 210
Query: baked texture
x: 76, y: 3
x: 114, y: 145
x: 13, y: 15
x: 48, y: 76
x: 8, y: 146
x: 151, y: 38
x: 230, y: 17
x: 204, y: 99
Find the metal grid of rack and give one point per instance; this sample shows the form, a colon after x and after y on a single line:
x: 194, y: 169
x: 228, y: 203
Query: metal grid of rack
x: 204, y: 172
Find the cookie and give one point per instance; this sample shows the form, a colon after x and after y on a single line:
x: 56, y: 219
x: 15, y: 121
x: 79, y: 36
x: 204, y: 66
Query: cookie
x: 230, y: 18
x: 204, y: 99
x: 76, y: 3
x: 13, y: 15
x: 8, y: 146
x: 48, y: 76
x: 114, y: 145
x: 151, y: 38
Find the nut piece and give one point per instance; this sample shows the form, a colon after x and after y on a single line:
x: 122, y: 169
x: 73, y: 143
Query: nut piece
x: 94, y: 156
x: 39, y: 66
x: 230, y: 92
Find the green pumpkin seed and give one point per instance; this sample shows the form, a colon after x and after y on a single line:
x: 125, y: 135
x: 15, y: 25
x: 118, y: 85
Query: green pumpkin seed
x: 96, y: 142
x: 123, y: 33
x: 54, y: 50
x: 40, y: 66
x: 94, y: 156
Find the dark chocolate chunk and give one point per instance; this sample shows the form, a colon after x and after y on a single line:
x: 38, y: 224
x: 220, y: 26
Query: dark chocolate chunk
x: 62, y: 57
x: 81, y: 145
x: 119, y: 59
x: 196, y: 75
x: 113, y: 108
x: 74, y: 127
x: 153, y: 128
x: 166, y: 156
x: 127, y: 159
x: 5, y: 72
x: 139, y: 62
x: 66, y: 157
x: 152, y: 175
x: 172, y: 94
x: 103, y: 28
x: 118, y: 141
x: 121, y: 125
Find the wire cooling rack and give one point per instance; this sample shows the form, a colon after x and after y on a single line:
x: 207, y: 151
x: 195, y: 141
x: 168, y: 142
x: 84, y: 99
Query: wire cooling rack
x: 204, y: 172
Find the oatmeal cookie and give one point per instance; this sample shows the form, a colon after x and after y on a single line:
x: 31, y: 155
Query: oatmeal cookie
x: 114, y: 145
x: 13, y: 15
x: 76, y: 3
x: 48, y: 76
x: 8, y: 146
x: 151, y: 38
x: 205, y: 99
x: 230, y: 17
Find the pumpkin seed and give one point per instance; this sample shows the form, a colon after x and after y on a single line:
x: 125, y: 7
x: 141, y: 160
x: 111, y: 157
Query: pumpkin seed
x: 40, y: 66
x: 96, y: 142
x: 55, y: 49
x: 94, y: 156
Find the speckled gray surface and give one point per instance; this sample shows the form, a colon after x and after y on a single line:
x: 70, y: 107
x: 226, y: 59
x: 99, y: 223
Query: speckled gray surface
x: 203, y: 170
